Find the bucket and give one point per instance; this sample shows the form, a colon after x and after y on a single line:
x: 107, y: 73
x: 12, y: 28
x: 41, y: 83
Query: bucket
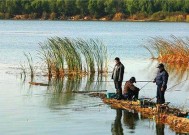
x: 145, y: 103
x: 111, y: 95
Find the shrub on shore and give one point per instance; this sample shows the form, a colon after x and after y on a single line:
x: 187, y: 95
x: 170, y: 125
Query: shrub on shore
x: 187, y: 18
x: 139, y: 16
x: 179, y: 18
x: 118, y: 17
x: 158, y: 16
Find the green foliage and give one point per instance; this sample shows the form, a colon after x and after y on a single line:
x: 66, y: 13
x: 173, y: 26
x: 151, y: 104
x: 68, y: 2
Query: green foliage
x: 82, y: 6
x: 74, y: 55
x: 93, y: 8
x: 96, y: 8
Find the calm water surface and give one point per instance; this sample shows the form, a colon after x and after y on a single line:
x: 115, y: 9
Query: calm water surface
x: 28, y: 110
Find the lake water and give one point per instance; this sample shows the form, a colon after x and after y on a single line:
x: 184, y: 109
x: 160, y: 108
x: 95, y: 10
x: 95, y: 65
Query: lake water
x: 28, y: 110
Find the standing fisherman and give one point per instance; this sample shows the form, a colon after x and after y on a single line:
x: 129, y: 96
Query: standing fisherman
x: 117, y: 76
x: 161, y: 82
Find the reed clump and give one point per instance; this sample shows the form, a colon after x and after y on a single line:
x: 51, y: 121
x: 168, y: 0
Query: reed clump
x: 171, y: 51
x: 67, y: 56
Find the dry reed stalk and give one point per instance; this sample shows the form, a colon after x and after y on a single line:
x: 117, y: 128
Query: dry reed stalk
x: 171, y: 51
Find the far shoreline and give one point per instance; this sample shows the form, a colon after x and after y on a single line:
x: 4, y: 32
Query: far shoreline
x: 82, y: 20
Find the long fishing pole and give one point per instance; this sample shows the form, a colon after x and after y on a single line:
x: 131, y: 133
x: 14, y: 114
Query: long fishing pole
x: 170, y: 88
x: 123, y: 81
x: 175, y: 85
x: 145, y: 85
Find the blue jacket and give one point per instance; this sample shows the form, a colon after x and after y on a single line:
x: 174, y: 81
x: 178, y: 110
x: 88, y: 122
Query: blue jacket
x: 162, y: 78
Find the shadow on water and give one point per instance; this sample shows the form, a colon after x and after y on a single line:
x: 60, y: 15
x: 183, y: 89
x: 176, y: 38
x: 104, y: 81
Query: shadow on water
x: 131, y: 123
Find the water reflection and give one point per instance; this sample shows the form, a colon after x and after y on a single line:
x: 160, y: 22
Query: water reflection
x: 63, y: 90
x: 130, y: 123
x: 77, y: 83
x: 130, y: 119
x: 117, y: 125
x: 160, y: 129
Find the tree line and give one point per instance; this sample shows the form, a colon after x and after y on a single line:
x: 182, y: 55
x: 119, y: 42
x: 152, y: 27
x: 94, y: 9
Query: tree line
x: 56, y: 9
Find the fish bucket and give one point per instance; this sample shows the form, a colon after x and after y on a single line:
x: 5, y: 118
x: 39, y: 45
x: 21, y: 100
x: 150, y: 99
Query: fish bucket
x: 145, y: 103
x: 111, y: 95
x: 182, y: 114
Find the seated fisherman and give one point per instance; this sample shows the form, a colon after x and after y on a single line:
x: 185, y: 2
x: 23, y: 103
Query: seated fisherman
x: 130, y: 91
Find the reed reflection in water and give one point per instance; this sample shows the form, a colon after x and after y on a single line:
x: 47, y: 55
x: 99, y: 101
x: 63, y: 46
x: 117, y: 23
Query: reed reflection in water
x: 63, y: 90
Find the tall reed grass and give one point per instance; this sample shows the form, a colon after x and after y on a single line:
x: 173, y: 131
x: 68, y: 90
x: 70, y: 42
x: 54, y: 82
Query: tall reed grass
x: 23, y: 71
x: 72, y: 56
x: 172, y: 51
x: 30, y: 64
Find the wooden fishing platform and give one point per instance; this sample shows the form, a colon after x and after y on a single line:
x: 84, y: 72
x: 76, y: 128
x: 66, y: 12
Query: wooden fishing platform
x: 159, y: 113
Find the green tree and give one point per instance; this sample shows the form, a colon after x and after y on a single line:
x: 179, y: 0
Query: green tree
x: 60, y: 7
x: 37, y: 6
x: 70, y: 7
x: 96, y: 8
x: 157, y: 6
x: 46, y: 6
x: 27, y: 9
x: 82, y: 6
x: 185, y: 7
x: 133, y: 6
x: 110, y: 7
x: 92, y: 7
x: 52, y: 6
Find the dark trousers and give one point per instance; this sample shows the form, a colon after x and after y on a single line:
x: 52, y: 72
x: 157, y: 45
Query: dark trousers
x: 160, y: 94
x: 131, y: 95
x: 118, y: 87
x: 135, y: 94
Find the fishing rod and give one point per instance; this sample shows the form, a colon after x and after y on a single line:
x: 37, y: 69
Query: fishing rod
x: 123, y: 81
x: 170, y: 88
x: 175, y: 85
x: 145, y: 85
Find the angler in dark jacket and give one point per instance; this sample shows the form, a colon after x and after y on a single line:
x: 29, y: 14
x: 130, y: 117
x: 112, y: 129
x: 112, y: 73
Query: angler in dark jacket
x: 130, y: 90
x: 117, y: 76
x: 161, y: 82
